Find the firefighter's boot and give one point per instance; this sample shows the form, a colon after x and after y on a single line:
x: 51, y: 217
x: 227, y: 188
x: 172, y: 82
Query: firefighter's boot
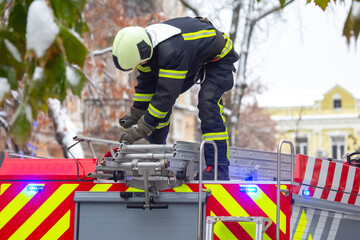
x: 209, y: 173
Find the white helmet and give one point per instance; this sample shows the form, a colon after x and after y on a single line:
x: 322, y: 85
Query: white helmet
x: 132, y: 46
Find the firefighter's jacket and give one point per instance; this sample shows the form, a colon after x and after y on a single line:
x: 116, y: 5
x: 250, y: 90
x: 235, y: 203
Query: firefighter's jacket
x: 181, y: 48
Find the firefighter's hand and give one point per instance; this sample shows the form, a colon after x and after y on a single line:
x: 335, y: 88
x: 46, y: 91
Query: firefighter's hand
x: 131, y: 118
x: 137, y: 132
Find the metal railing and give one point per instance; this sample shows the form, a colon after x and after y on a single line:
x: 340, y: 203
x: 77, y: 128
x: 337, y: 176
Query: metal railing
x: 278, y: 190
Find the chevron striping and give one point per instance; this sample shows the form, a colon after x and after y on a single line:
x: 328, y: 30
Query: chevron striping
x: 232, y: 207
x: 131, y: 189
x: 16, y: 205
x: 221, y: 231
x: 101, y: 187
x: 269, y: 207
x: 59, y: 228
x: 3, y: 187
x: 183, y: 188
x: 44, y: 211
x: 301, y: 226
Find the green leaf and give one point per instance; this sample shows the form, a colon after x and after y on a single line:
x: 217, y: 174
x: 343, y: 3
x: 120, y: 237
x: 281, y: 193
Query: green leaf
x: 20, y: 127
x: 9, y: 73
x: 55, y: 77
x: 321, y: 3
x: 75, y: 50
x: 352, y: 26
x: 282, y: 2
x: 7, y: 57
x: 75, y: 80
x: 65, y: 11
x: 17, y: 19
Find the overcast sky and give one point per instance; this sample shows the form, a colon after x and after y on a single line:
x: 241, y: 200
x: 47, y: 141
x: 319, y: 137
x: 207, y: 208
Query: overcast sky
x: 306, y: 55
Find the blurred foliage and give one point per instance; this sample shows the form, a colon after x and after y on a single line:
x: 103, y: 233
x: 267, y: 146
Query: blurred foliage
x: 352, y: 23
x: 18, y: 64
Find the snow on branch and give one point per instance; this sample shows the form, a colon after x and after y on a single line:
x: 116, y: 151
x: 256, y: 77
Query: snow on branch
x: 100, y: 52
x: 65, y: 129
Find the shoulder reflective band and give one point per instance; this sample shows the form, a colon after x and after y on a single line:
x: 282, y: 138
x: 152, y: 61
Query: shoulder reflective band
x: 143, y: 69
x: 226, y: 49
x: 156, y: 113
x: 199, y: 34
x: 172, y: 74
x: 143, y: 97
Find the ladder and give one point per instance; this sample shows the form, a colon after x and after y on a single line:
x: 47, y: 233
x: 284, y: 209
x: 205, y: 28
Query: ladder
x: 262, y: 224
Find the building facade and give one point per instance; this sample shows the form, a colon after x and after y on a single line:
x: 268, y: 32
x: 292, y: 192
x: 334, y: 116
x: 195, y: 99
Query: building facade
x: 329, y: 128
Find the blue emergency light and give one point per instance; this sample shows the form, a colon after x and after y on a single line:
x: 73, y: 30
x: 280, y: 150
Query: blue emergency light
x: 248, y: 190
x: 35, y: 188
x: 306, y: 192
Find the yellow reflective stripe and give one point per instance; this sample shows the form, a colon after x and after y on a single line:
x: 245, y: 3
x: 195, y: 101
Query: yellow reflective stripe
x: 3, y: 187
x: 16, y: 205
x: 59, y: 228
x: 269, y: 207
x: 216, y: 136
x: 221, y: 111
x: 143, y: 97
x: 144, y: 69
x: 44, y: 211
x: 101, y: 187
x: 164, y: 124
x: 232, y: 207
x: 221, y: 231
x: 183, y: 188
x: 156, y: 113
x: 300, y: 228
x: 130, y: 189
x: 226, y: 49
x: 176, y: 74
x: 199, y: 34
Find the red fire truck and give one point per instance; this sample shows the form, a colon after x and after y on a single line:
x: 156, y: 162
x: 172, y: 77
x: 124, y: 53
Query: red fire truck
x: 147, y: 191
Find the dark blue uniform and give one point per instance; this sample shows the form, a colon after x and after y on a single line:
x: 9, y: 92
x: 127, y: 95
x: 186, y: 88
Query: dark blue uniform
x: 176, y: 64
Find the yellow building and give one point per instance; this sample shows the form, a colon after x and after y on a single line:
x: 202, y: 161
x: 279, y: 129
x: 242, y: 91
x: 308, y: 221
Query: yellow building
x: 329, y: 128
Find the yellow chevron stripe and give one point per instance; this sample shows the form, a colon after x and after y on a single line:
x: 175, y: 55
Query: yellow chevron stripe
x: 3, y: 187
x: 233, y: 207
x: 130, y: 189
x: 310, y: 237
x: 301, y: 226
x: 221, y: 230
x: 101, y: 187
x: 183, y: 188
x: 59, y: 228
x: 269, y: 207
x: 44, y: 211
x: 16, y: 205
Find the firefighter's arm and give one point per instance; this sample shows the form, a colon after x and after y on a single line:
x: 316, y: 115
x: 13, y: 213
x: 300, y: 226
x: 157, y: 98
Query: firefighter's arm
x: 171, y: 78
x: 143, y: 94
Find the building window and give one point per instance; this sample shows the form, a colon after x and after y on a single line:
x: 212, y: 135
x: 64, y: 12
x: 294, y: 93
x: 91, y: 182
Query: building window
x: 337, y: 103
x: 301, y: 144
x: 338, y: 147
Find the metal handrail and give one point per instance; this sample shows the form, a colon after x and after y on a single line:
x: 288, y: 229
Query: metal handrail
x: 202, y: 146
x: 279, y: 182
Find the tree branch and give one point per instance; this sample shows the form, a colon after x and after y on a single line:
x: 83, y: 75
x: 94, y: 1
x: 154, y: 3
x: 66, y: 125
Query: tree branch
x: 188, y: 6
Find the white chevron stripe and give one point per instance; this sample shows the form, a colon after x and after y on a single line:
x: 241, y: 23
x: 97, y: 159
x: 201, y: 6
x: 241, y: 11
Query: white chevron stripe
x: 320, y: 226
x: 337, y: 174
x: 357, y: 202
x: 350, y: 179
x: 345, y: 198
x: 309, y: 170
x: 334, y: 226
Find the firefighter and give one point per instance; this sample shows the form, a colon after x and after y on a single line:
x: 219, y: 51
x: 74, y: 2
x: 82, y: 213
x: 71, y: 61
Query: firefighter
x: 171, y: 57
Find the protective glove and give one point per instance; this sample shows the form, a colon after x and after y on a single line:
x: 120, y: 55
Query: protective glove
x: 131, y: 118
x: 137, y: 132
